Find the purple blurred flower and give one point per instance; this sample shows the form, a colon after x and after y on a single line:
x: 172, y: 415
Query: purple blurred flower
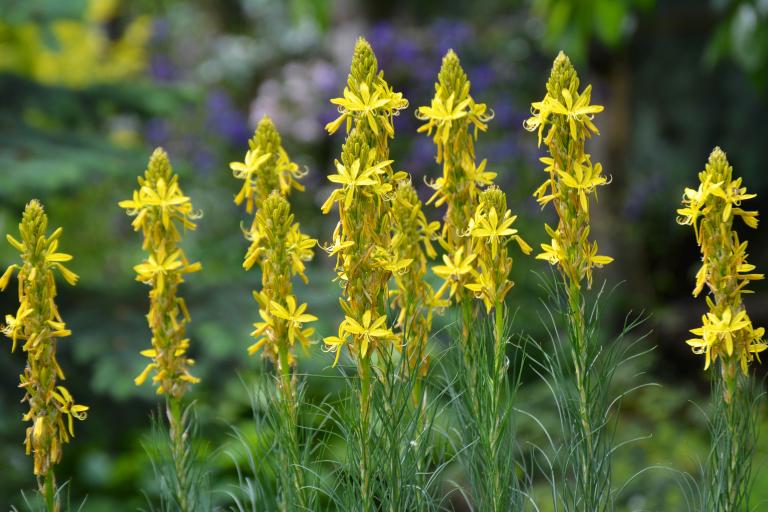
x: 642, y: 193
x: 156, y: 131
x: 382, y: 36
x: 161, y: 30
x: 420, y: 160
x: 481, y: 77
x: 505, y: 114
x: 450, y: 34
x: 161, y: 68
x: 225, y: 120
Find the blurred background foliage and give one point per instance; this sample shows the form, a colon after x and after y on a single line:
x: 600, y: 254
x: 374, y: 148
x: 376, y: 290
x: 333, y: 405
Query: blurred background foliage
x: 89, y: 87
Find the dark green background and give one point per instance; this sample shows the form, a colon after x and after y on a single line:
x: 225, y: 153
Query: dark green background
x: 676, y: 78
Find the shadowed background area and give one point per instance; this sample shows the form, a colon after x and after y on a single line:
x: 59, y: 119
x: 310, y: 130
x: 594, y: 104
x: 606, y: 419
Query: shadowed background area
x: 90, y: 87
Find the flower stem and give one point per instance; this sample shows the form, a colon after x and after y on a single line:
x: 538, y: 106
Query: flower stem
x: 49, y: 492
x: 365, y: 398
x: 291, y: 452
x: 497, y: 379
x: 178, y: 450
x: 579, y: 358
x: 731, y: 398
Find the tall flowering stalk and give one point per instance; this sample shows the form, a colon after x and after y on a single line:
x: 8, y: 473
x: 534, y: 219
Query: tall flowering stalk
x: 39, y: 325
x: 565, y: 115
x: 160, y: 211
x: 490, y: 391
x: 362, y: 240
x: 412, y: 237
x: 477, y: 227
x: 279, y: 249
x: 455, y: 120
x: 727, y: 338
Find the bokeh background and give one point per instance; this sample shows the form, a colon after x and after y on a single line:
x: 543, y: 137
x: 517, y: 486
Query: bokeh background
x: 89, y: 87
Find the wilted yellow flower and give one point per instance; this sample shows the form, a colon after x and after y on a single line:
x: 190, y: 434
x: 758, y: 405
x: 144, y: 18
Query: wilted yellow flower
x: 39, y: 325
x: 161, y: 210
x: 726, y: 331
x: 571, y: 175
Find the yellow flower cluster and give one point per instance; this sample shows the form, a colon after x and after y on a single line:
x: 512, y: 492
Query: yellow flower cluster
x: 77, y: 52
x: 266, y: 168
x: 160, y: 209
x: 491, y: 231
x: 567, y: 115
x: 456, y: 118
x: 362, y: 241
x: 477, y: 223
x: 278, y: 246
x: 412, y: 237
x: 38, y: 324
x: 726, y: 331
x: 368, y: 99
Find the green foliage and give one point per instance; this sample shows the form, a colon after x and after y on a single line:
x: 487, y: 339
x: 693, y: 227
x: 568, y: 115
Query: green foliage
x: 278, y: 467
x: 69, y: 148
x: 570, y: 25
x: 575, y: 461
x: 181, y: 479
x: 484, y: 390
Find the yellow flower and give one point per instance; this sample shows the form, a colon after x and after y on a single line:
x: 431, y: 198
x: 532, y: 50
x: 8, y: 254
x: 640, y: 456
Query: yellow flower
x: 726, y: 330
x: 717, y: 333
x: 578, y: 112
x: 295, y: 317
x: 334, y: 343
x: 157, y: 266
x: 38, y: 321
x: 488, y: 226
x: 367, y: 99
x: 266, y: 168
x: 478, y: 174
x: 278, y: 247
x: 162, y: 210
x: 485, y: 288
x: 369, y: 331
x: 456, y: 119
x: 585, y: 179
x: 440, y: 116
x: 553, y: 253
x: 68, y: 407
x: 571, y: 175
x: 452, y: 109
x: 454, y: 271
x: 245, y: 171
x: 365, y: 105
x: 353, y: 177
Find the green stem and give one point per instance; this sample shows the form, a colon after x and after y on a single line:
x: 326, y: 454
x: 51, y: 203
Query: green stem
x: 288, y: 399
x: 365, y: 392
x: 497, y: 378
x: 286, y: 384
x: 730, y: 377
x: 178, y: 450
x: 51, y: 503
x: 579, y: 358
